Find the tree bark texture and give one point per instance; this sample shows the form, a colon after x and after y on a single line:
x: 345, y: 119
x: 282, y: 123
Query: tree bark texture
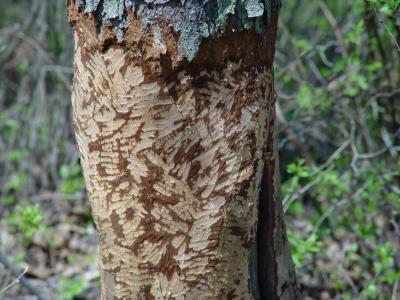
x: 174, y: 153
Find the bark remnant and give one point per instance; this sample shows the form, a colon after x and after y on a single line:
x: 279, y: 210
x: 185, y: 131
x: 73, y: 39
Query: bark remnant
x: 193, y: 20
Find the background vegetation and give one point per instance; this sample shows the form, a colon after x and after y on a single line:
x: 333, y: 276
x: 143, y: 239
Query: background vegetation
x: 338, y: 80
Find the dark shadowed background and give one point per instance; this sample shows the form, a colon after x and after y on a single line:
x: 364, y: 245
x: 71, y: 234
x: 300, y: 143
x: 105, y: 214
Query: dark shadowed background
x: 338, y: 81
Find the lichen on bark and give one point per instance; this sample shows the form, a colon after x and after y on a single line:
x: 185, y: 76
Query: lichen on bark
x: 193, y: 20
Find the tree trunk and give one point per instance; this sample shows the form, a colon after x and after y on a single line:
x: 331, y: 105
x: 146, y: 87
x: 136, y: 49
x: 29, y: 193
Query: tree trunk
x: 173, y: 106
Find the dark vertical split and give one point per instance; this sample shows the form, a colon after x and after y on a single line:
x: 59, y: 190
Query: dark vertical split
x: 267, y: 269
x: 276, y: 280
x: 267, y: 277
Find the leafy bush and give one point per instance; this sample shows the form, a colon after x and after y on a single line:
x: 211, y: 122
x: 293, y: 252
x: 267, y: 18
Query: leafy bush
x: 26, y: 220
x: 72, y: 179
x: 69, y: 288
x: 338, y: 75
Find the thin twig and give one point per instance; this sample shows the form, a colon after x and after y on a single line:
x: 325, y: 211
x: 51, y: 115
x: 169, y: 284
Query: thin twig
x: 24, y: 282
x: 387, y: 30
x: 56, y: 196
x: 16, y: 281
x: 291, y: 134
x: 332, y: 21
x: 395, y: 287
x: 291, y: 198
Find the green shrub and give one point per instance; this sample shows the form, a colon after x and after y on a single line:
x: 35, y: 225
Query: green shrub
x: 26, y: 220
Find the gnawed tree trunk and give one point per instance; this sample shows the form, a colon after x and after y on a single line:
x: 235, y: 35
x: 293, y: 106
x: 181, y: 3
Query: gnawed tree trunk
x: 173, y: 105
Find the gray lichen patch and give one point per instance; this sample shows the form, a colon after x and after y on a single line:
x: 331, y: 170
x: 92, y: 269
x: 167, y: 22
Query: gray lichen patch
x: 194, y: 20
x: 254, y: 8
x: 90, y: 5
x: 113, y: 9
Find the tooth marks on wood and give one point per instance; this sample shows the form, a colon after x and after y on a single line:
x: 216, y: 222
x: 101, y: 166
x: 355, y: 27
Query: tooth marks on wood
x: 172, y: 179
x: 172, y: 154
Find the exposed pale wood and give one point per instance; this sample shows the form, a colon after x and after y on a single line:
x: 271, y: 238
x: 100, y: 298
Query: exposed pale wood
x: 173, y: 155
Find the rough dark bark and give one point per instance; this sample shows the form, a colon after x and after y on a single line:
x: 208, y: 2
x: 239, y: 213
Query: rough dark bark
x: 174, y: 115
